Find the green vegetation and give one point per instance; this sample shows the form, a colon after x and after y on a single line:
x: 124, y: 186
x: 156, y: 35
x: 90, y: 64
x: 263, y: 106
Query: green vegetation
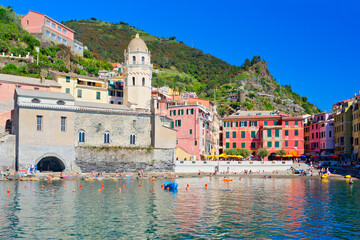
x: 281, y: 152
x: 262, y: 152
x: 238, y: 151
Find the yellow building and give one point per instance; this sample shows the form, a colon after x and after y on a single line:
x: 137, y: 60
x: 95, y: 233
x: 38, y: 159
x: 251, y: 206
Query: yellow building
x: 343, y: 127
x: 356, y: 128
x: 82, y: 88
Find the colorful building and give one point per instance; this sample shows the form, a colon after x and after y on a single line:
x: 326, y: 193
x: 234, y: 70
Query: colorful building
x: 321, y: 134
x: 343, y: 127
x: 306, y: 122
x: 356, y: 128
x: 46, y: 29
x: 272, y: 130
x: 82, y: 88
x: 8, y: 84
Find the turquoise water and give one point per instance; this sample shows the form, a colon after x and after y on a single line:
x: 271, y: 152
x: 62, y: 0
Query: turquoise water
x: 255, y: 208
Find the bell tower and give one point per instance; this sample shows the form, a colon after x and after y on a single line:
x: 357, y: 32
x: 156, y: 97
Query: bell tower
x: 137, y: 75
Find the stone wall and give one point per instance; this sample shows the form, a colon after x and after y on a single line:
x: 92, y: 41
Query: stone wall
x: 7, y: 151
x: 115, y: 159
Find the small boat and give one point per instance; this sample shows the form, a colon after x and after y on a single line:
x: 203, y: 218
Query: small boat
x: 152, y: 179
x: 170, y: 185
x: 227, y: 180
x: 348, y: 176
x: 325, y: 175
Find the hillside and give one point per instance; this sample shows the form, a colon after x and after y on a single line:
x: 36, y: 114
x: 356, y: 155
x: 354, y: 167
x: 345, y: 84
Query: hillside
x: 189, y: 69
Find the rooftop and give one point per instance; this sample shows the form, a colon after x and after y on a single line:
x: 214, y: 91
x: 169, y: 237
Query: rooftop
x: 42, y: 94
x: 101, y: 106
x: 74, y: 75
x: 27, y: 80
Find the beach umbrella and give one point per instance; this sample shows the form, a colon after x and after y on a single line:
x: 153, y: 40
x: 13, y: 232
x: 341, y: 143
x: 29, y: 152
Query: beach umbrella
x: 303, y: 156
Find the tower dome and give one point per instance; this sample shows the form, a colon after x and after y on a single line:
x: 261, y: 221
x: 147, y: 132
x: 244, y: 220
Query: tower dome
x: 137, y: 45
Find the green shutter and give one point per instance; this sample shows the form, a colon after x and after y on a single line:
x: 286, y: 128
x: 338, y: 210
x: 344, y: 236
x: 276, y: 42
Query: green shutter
x: 252, y: 145
x: 286, y: 132
x: 296, y: 143
x: 269, y: 144
x: 227, y: 145
x: 237, y: 124
x: 276, y: 144
x: 269, y: 132
x: 242, y: 134
x: 245, y: 123
x: 195, y: 143
x: 243, y: 145
x: 255, y: 123
x: 286, y: 143
x: 296, y: 123
x: 296, y: 132
x: 172, y: 124
x: 286, y: 123
x: 227, y: 134
x: 277, y: 133
x: 234, y: 134
x: 275, y: 123
x: 190, y: 131
x: 234, y: 145
x: 265, y: 123
x: 253, y: 134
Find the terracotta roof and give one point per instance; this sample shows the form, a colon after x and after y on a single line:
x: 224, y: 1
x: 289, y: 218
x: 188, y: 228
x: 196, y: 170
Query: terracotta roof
x: 71, y: 74
x: 27, y: 80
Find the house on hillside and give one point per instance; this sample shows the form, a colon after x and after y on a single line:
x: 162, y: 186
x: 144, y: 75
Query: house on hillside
x: 48, y: 30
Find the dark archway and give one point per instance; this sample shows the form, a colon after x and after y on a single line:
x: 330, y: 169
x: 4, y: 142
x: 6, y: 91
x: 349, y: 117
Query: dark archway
x: 53, y: 164
x: 8, y: 126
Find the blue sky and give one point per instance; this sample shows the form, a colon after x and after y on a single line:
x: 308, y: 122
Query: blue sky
x: 312, y: 45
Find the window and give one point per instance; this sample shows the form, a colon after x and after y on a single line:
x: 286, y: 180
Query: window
x: 80, y: 49
x: 243, y: 145
x: 253, y: 123
x: 296, y: 143
x: 286, y: 123
x: 234, y: 145
x: 81, y: 136
x: 297, y: 123
x: 253, y: 134
x: 64, y: 31
x: 134, y: 59
x: 143, y: 81
x: 79, y: 93
x: 234, y: 135
x: 64, y: 41
x: 330, y: 134
x: 132, y: 138
x: 242, y: 134
x: 265, y: 123
x: 75, y: 47
x: 286, y: 133
x: 269, y: 132
x: 48, y: 33
x: 196, y: 143
x: 253, y: 145
x: 275, y: 123
x: 67, y: 79
x: 277, y: 132
x: 59, y: 28
x: 39, y: 123
x: 297, y: 133
x: 286, y: 143
x: 227, y: 134
x: 133, y: 81
x: 143, y: 60
x: 190, y: 131
x: 53, y: 36
x: 277, y: 144
x: 177, y: 123
x: 53, y: 25
x: 63, y: 124
x: 243, y: 124
x: 47, y: 22
x: 227, y: 145
x: 269, y: 144
x: 98, y: 95
x: 237, y: 124
x: 107, y: 137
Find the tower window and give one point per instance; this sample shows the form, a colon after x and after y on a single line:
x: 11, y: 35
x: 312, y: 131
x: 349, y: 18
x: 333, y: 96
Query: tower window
x: 143, y: 60
x: 134, y: 59
x: 107, y: 137
x: 143, y: 81
x: 133, y: 81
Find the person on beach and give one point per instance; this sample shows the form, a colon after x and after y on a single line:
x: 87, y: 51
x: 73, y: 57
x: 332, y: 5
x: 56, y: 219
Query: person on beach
x: 351, y: 180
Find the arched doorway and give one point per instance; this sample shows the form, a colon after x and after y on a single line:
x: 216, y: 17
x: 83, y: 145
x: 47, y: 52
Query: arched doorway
x: 50, y: 163
x: 8, y: 126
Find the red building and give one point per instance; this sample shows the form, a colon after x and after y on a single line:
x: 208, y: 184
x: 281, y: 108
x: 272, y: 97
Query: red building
x: 272, y: 130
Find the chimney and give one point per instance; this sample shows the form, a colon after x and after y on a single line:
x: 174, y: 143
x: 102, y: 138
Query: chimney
x: 42, y: 79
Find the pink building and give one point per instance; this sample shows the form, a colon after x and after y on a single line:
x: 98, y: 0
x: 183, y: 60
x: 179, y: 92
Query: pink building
x: 322, y: 134
x: 194, y: 119
x: 8, y: 84
x: 46, y: 29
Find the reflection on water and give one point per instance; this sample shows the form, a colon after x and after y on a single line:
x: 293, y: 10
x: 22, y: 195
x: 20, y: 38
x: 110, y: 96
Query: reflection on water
x: 247, y: 208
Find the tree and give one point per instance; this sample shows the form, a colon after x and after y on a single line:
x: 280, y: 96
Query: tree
x: 244, y: 152
x: 304, y: 99
x: 93, y: 19
x: 262, y: 152
x: 281, y: 152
